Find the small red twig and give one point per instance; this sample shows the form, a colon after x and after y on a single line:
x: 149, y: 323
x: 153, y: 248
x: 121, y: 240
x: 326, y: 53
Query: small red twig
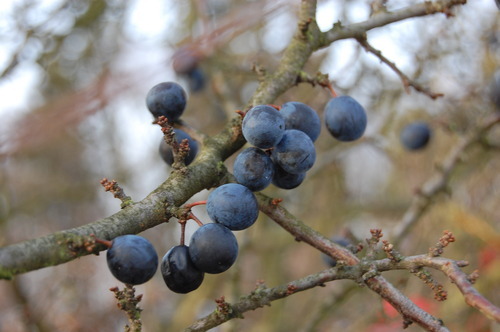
x: 332, y: 90
x: 198, y: 221
x: 107, y: 243
x: 190, y: 205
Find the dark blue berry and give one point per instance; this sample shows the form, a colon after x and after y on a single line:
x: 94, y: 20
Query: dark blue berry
x: 253, y: 168
x: 167, y: 99
x: 132, y: 259
x: 263, y: 126
x: 345, y: 118
x: 196, y: 79
x: 179, y: 272
x: 213, y: 248
x: 415, y: 135
x: 295, y: 153
x: 301, y: 117
x: 233, y: 205
x: 166, y: 150
x: 284, y: 180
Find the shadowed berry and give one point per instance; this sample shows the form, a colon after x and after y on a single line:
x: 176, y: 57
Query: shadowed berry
x: 213, y: 248
x: 179, y: 272
x: 253, y: 168
x: 301, y: 117
x: 284, y: 180
x: 132, y: 259
x: 295, y: 153
x: 166, y: 151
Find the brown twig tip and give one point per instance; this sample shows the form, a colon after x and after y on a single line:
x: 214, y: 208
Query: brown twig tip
x: 443, y: 242
x: 162, y: 121
x: 129, y: 303
x: 276, y: 201
x: 223, y: 308
x: 276, y: 107
x: 392, y: 254
x: 376, y: 235
x: 290, y: 289
x: 117, y: 191
x: 473, y: 276
x: 241, y: 113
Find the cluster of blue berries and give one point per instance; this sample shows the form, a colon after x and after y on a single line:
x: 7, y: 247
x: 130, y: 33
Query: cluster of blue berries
x: 283, y: 140
x: 213, y: 247
x: 283, y: 146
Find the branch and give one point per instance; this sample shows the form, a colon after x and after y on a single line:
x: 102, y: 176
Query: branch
x: 64, y: 246
x: 378, y: 284
x: 407, y: 82
x: 357, y: 30
x: 452, y: 269
x: 263, y: 296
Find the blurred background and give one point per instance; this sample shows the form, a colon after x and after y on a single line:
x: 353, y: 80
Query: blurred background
x: 73, y: 81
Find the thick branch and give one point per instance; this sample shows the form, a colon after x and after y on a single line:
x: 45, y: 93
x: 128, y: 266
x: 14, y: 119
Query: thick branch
x: 67, y: 245
x: 384, y: 18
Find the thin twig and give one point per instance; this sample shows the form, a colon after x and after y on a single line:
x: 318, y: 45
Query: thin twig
x: 407, y: 82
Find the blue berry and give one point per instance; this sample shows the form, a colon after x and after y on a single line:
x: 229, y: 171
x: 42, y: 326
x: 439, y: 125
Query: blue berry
x: 166, y: 150
x: 253, y: 168
x: 301, y: 117
x: 167, y: 99
x: 213, y: 248
x: 233, y: 205
x: 196, y: 79
x: 415, y: 136
x: 263, y: 126
x: 179, y: 273
x: 132, y: 259
x: 284, y: 180
x: 295, y: 153
x: 345, y: 118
